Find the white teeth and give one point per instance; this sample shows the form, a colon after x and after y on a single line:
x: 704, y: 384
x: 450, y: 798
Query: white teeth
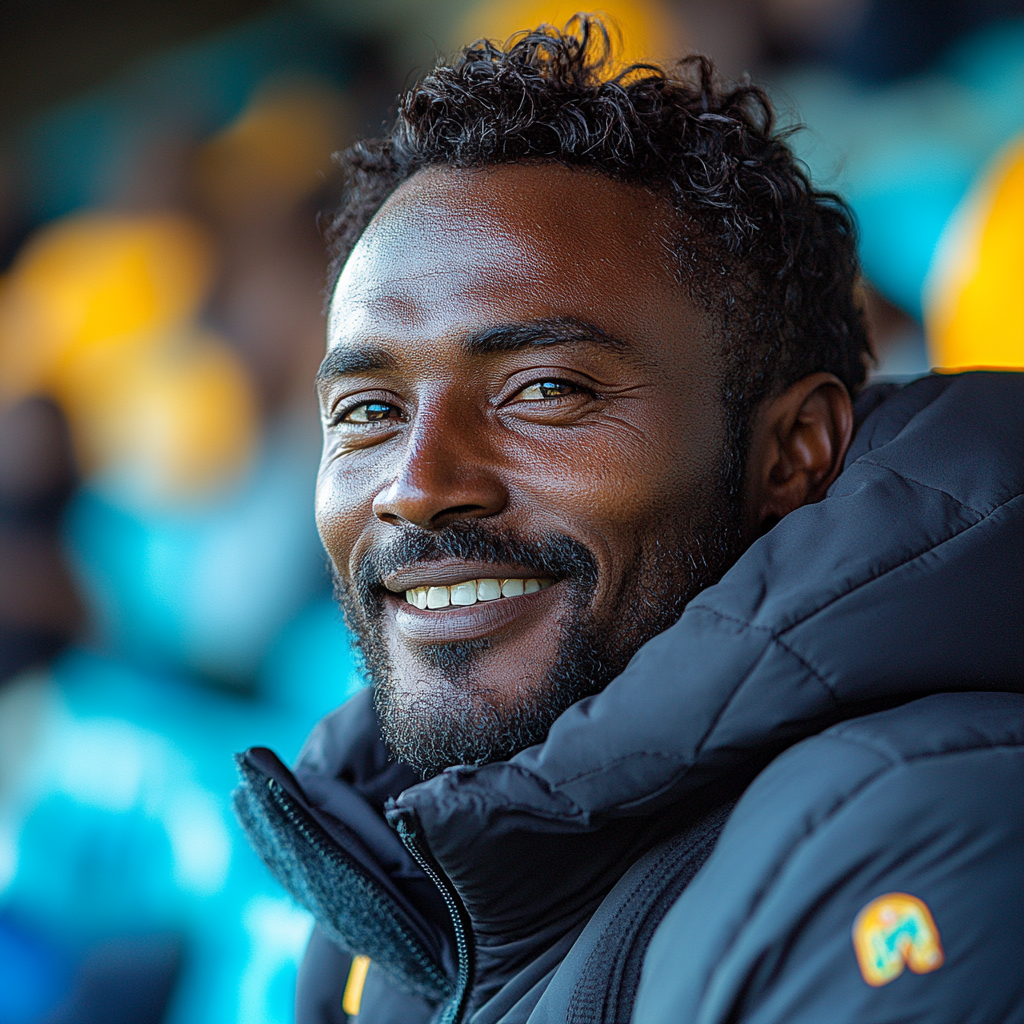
x: 464, y: 593
x: 471, y: 591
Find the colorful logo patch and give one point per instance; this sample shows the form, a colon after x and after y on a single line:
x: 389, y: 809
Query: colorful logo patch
x: 893, y: 932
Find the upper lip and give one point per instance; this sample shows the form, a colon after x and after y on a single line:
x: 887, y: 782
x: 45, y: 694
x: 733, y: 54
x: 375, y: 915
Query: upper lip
x: 445, y: 574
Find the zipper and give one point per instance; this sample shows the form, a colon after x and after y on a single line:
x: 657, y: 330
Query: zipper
x: 406, y: 824
x: 330, y: 851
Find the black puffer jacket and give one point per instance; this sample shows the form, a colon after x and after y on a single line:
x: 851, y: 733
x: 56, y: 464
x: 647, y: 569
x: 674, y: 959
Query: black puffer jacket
x: 874, y: 640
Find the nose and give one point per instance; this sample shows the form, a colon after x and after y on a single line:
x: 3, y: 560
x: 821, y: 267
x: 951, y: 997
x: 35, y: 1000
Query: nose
x: 447, y: 474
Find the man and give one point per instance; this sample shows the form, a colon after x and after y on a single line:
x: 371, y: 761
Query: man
x: 592, y: 347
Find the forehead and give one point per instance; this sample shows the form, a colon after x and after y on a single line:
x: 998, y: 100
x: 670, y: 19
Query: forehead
x: 452, y: 251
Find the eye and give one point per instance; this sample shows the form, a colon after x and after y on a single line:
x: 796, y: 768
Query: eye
x: 368, y: 412
x: 543, y: 389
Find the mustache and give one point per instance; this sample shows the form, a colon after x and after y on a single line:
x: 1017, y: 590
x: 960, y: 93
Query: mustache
x: 555, y: 555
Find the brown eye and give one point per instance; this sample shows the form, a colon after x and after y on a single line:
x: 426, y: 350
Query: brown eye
x: 370, y: 412
x: 546, y: 389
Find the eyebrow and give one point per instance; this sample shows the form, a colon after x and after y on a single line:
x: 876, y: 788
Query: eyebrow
x: 343, y: 362
x: 564, y: 330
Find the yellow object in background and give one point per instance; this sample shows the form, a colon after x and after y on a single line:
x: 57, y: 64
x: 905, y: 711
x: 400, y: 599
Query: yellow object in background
x: 277, y: 152
x: 649, y: 30
x: 974, y: 296
x: 99, y: 312
x: 97, y: 282
x: 167, y: 422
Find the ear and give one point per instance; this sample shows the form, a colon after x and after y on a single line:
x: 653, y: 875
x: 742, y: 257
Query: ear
x: 799, y: 441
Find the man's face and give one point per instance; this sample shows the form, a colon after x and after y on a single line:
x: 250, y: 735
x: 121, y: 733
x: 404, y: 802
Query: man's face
x: 524, y: 450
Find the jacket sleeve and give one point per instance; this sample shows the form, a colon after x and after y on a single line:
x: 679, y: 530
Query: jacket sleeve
x: 871, y: 874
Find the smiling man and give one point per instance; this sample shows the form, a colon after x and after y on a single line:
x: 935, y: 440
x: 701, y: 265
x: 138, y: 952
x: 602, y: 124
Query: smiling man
x: 527, y: 470
x: 613, y: 534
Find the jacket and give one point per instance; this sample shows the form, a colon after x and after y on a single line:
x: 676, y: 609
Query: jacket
x: 804, y: 801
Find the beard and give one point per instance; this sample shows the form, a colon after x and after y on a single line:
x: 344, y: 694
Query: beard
x: 456, y: 718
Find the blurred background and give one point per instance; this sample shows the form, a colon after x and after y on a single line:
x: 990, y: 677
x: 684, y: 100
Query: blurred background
x: 163, y: 594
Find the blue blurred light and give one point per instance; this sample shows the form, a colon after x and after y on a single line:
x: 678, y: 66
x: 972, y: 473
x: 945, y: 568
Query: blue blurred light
x: 126, y: 827
x: 312, y: 667
x: 34, y: 975
x: 204, y: 588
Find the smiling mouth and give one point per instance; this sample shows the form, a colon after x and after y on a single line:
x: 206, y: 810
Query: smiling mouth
x: 469, y: 592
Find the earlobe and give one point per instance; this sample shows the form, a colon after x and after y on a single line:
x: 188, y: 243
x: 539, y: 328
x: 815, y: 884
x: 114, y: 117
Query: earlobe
x: 799, y: 442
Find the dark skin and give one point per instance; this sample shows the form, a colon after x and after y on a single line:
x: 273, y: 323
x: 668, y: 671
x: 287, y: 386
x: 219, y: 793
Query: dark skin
x: 510, y: 345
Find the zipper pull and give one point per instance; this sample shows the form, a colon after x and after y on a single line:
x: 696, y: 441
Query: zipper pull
x: 406, y: 823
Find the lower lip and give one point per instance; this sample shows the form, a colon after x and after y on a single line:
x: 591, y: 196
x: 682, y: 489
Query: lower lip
x: 469, y: 622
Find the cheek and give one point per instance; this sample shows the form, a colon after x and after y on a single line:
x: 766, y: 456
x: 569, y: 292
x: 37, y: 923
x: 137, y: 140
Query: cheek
x: 617, y: 479
x: 614, y: 486
x: 344, y: 509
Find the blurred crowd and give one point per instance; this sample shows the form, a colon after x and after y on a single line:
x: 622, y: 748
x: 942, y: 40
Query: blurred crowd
x: 164, y: 599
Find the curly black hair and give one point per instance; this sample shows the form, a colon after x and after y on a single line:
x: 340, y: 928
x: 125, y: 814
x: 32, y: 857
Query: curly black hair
x: 772, y: 260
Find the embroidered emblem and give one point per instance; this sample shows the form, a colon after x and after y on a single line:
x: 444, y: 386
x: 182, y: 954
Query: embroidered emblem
x: 894, y: 931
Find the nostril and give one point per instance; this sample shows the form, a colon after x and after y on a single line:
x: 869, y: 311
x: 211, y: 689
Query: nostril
x: 454, y: 513
x: 436, y: 521
x: 462, y: 510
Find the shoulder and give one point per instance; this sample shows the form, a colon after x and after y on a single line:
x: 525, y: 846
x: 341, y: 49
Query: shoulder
x: 906, y: 821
